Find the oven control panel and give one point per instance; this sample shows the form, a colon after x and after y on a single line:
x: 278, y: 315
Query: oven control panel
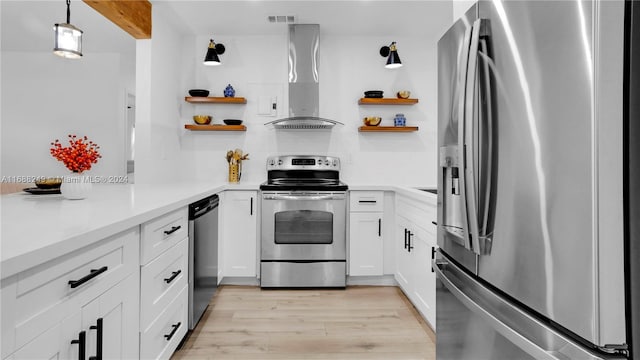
x: 303, y: 162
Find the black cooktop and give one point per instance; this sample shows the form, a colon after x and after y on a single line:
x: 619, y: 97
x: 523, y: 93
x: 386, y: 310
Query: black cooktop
x: 304, y: 186
x: 303, y: 180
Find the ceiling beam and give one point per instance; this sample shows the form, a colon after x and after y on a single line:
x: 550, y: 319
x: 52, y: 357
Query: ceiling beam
x: 133, y: 16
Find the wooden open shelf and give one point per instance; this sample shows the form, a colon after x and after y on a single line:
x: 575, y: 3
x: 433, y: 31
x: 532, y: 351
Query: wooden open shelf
x: 215, y: 100
x: 387, y: 128
x: 215, y: 127
x: 386, y: 101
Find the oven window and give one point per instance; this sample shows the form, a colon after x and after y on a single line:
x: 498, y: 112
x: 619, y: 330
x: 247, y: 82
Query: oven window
x: 304, y: 227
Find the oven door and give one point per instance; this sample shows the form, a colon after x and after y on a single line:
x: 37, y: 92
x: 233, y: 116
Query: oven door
x: 303, y: 226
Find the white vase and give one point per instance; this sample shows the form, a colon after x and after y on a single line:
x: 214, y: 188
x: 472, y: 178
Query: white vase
x: 76, y: 187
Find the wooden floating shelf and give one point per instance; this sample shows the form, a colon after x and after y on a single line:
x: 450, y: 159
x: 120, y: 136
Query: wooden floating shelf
x: 387, y: 128
x: 215, y: 100
x: 386, y: 101
x: 215, y: 127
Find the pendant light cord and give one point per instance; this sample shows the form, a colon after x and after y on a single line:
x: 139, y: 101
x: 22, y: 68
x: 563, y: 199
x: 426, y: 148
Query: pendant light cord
x: 68, y: 12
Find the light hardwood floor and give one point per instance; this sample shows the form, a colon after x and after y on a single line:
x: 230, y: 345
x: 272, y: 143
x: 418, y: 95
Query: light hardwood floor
x: 361, y: 322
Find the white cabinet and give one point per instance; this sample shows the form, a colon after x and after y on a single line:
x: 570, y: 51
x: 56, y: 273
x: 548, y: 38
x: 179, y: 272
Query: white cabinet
x: 47, y: 307
x: 415, y: 244
x: 54, y: 343
x: 161, y: 233
x: 161, y: 280
x: 239, y: 236
x: 164, y: 334
x: 111, y: 323
x: 163, y: 284
x: 366, y: 240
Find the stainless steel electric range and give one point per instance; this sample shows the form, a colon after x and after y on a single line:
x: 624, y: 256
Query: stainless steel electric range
x: 303, y: 223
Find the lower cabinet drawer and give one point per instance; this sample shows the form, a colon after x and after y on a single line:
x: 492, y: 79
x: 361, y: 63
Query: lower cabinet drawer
x: 38, y: 298
x: 161, y: 280
x: 365, y: 201
x: 160, y: 339
x: 162, y: 233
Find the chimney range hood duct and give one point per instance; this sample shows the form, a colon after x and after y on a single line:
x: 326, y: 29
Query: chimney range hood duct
x: 304, y: 94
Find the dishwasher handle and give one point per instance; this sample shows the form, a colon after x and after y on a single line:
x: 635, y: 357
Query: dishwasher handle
x: 203, y: 206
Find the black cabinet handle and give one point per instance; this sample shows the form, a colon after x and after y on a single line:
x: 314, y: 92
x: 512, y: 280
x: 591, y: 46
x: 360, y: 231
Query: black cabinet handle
x: 97, y: 327
x: 173, y: 331
x: 251, y: 207
x: 173, y: 229
x: 75, y: 283
x: 379, y: 227
x: 82, y: 344
x: 410, y: 246
x: 367, y: 201
x: 173, y: 276
x: 434, y: 223
x: 405, y: 238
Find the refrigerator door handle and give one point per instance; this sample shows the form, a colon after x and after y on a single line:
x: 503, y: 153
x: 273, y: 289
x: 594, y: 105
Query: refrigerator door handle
x: 486, y: 143
x: 462, y: 86
x: 467, y: 143
x: 512, y: 335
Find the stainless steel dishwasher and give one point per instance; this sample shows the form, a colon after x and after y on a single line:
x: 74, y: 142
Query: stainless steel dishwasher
x: 203, y: 256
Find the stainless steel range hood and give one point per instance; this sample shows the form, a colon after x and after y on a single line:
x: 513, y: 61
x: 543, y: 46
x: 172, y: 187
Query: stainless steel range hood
x: 304, y: 94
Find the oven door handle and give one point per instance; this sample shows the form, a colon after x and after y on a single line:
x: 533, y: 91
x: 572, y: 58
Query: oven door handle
x: 303, y: 197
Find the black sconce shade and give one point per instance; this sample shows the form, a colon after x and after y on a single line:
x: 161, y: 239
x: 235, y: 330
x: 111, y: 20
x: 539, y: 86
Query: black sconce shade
x: 212, y: 59
x: 391, y: 53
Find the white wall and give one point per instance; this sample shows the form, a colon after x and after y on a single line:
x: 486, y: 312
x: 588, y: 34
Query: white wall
x: 159, y: 73
x: 257, y: 65
x: 349, y: 65
x: 45, y: 97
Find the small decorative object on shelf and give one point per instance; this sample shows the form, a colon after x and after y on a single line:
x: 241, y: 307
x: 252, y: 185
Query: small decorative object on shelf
x: 235, y: 158
x: 78, y: 157
x: 229, y: 91
x: 399, y: 120
x: 202, y: 119
x: 403, y: 94
x: 372, y: 120
x: 373, y: 94
x: 199, y: 92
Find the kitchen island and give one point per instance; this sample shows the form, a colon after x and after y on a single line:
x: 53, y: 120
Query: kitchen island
x: 38, y: 228
x: 109, y: 269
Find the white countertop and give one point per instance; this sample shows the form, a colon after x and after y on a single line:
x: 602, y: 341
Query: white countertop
x: 414, y: 192
x: 38, y: 228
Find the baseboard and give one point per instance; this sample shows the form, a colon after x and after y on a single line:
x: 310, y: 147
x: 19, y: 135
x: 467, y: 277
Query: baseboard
x: 240, y: 280
x: 384, y: 280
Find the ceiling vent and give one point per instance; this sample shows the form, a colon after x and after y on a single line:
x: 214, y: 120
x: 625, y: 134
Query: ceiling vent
x: 282, y: 19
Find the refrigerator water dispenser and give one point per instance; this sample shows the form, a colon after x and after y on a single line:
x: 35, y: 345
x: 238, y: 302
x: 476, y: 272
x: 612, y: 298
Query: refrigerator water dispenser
x: 451, y: 198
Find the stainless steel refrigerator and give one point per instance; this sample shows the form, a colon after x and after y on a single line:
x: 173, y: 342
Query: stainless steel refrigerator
x: 536, y: 202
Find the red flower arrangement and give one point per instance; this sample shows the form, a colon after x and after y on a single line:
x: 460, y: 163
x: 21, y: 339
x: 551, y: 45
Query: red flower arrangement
x: 79, y: 155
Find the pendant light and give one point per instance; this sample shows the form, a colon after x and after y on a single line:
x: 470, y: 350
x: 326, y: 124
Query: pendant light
x: 68, y: 38
x: 212, y: 59
x: 391, y: 53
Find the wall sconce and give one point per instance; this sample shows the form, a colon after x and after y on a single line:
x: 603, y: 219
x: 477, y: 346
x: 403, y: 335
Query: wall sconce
x: 391, y: 53
x: 68, y: 38
x: 212, y: 59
